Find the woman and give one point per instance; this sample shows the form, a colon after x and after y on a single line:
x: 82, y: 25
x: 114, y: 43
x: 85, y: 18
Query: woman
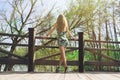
x: 61, y: 26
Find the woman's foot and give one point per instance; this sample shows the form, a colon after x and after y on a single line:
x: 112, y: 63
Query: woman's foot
x: 65, y: 69
x: 57, y: 69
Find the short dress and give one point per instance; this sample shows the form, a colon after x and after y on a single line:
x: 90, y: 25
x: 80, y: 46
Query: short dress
x: 62, y: 39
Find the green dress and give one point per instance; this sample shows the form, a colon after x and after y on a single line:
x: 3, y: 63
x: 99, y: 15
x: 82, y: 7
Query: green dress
x: 62, y: 39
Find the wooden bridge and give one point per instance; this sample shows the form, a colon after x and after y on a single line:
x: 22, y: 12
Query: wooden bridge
x: 82, y: 46
x: 61, y: 76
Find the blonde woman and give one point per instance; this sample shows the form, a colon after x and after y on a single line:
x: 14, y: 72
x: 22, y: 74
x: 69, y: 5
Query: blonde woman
x: 61, y: 26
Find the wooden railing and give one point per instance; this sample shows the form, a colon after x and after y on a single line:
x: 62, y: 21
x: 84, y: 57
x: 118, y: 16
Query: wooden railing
x: 31, y: 62
x: 42, y: 61
x: 101, y: 50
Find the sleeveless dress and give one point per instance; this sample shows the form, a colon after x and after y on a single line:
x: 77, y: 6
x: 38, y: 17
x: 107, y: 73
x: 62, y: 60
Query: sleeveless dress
x: 62, y: 39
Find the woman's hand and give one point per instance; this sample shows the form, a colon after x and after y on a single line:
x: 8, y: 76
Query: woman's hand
x: 75, y: 39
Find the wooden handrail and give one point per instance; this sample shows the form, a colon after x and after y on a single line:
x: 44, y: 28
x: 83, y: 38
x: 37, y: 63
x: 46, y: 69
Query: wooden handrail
x: 32, y: 47
x: 11, y: 35
x: 9, y: 44
x: 38, y: 37
x: 103, y: 49
x: 55, y: 47
x: 102, y: 41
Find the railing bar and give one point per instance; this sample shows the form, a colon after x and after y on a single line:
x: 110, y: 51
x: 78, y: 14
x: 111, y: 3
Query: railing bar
x: 101, y: 41
x: 56, y: 47
x: 10, y: 35
x: 12, y: 44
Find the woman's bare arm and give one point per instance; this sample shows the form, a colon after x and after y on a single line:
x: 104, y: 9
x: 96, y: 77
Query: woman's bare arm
x: 69, y: 33
x: 51, y: 30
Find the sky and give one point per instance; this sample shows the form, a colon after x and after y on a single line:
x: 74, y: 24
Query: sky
x: 43, y: 5
x: 60, y: 5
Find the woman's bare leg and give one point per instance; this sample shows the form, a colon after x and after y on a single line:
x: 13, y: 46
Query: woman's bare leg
x: 61, y: 60
x: 62, y: 57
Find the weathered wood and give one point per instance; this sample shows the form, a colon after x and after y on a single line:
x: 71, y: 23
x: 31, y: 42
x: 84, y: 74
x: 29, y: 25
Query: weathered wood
x: 13, y: 61
x: 54, y: 47
x: 102, y: 41
x: 76, y: 63
x: 81, y: 52
x: 31, y: 49
x: 11, y: 35
x: 101, y: 63
x: 42, y: 61
x: 38, y: 37
x: 9, y: 44
x: 54, y: 62
x: 60, y: 76
x: 103, y: 49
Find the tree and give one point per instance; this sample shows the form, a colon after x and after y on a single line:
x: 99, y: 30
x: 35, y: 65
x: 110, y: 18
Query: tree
x: 22, y: 16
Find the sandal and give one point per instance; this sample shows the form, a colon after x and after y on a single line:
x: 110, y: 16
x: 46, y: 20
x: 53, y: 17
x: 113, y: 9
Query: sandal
x: 57, y: 69
x: 65, y: 69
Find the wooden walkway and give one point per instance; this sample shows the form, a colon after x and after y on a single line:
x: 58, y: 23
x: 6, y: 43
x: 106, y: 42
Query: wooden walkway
x: 61, y: 76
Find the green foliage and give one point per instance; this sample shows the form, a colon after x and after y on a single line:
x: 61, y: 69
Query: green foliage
x: 43, y: 52
x: 72, y: 55
x: 88, y: 56
x: 2, y: 55
x: 21, y: 51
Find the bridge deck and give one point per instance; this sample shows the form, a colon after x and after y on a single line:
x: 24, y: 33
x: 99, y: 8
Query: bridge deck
x: 61, y: 76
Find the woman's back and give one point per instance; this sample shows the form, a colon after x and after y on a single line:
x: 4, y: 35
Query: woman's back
x: 61, y: 24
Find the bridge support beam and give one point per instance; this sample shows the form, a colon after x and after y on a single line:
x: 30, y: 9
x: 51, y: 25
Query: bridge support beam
x: 81, y: 52
x: 31, y: 48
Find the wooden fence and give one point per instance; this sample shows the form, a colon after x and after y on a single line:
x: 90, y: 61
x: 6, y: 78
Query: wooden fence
x: 95, y: 50
x: 31, y: 61
x: 106, y: 55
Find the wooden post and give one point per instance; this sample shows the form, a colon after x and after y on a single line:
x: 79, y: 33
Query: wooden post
x: 81, y: 52
x: 31, y: 48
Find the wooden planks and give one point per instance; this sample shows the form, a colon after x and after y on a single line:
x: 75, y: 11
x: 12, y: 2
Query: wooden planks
x: 61, y: 76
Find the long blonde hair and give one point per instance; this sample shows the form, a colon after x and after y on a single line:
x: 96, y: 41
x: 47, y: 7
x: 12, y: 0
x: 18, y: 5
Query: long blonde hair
x: 61, y: 23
